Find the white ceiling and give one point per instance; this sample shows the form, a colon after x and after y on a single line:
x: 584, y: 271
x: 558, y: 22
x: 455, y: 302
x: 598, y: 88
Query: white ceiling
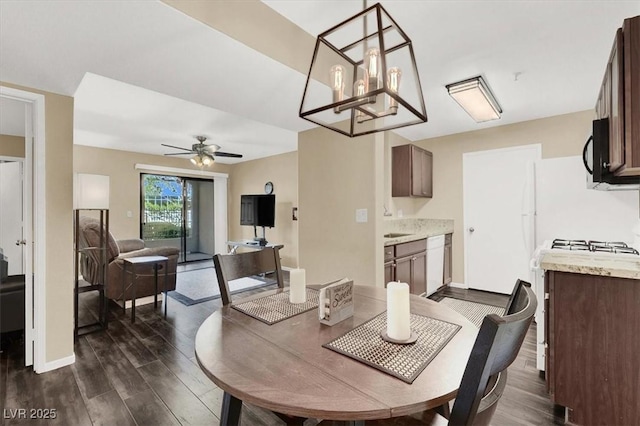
x: 158, y: 76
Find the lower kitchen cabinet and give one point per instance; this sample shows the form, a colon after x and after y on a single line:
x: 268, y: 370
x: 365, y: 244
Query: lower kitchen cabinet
x: 593, y: 349
x: 407, y: 262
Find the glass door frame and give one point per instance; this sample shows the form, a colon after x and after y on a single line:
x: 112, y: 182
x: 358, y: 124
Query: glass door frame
x: 182, y: 257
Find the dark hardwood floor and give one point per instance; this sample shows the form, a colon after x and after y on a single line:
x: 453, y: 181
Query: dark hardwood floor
x: 146, y: 374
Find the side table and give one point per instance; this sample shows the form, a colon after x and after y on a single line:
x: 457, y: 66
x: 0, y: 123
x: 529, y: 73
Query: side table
x: 143, y: 260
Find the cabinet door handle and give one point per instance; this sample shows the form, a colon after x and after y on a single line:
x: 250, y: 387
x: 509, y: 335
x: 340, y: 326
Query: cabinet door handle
x: 413, y: 258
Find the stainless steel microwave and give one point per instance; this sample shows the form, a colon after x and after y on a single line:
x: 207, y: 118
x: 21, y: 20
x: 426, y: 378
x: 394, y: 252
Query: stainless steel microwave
x: 595, y: 156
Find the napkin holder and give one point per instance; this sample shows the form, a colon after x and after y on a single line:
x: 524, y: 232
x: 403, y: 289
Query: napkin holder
x: 335, y: 302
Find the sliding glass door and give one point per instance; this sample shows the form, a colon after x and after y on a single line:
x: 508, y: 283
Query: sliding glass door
x: 178, y: 212
x: 198, y: 202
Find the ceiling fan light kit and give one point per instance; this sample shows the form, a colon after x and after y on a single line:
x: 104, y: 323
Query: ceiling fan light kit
x: 475, y: 97
x: 362, y: 81
x: 204, y: 154
x: 201, y: 160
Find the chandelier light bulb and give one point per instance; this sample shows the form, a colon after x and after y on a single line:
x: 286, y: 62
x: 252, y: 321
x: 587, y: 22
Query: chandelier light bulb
x: 337, y: 82
x: 359, y: 89
x: 393, y: 83
x: 372, y: 68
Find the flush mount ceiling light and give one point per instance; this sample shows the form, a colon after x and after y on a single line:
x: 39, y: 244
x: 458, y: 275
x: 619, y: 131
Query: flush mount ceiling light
x: 354, y: 82
x: 475, y: 97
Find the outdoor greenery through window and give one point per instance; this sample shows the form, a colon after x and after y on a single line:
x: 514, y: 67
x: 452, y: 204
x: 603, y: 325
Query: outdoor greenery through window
x: 163, y: 207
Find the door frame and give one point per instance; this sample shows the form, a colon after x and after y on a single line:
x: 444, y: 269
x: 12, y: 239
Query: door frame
x: 183, y: 182
x: 465, y: 214
x: 34, y: 176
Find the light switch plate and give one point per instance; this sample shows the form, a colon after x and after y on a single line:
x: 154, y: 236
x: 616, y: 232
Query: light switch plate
x: 361, y: 215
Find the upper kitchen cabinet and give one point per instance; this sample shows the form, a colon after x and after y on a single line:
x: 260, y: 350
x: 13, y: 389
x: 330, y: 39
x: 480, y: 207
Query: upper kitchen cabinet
x: 619, y: 100
x: 411, y: 172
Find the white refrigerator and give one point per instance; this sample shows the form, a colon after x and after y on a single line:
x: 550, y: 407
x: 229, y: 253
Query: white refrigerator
x: 565, y: 208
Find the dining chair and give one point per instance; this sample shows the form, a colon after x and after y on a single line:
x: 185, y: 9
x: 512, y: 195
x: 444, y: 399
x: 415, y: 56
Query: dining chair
x: 233, y: 266
x: 240, y: 265
x: 485, y: 376
x: 511, y: 306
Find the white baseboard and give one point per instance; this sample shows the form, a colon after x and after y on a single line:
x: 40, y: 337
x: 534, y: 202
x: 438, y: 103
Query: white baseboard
x: 58, y: 363
x: 458, y: 285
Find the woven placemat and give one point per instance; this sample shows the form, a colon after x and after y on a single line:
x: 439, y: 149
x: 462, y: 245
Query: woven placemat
x: 405, y: 362
x: 276, y: 307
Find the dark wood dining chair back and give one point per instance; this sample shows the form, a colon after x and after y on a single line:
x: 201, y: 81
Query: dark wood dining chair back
x: 233, y: 266
x: 516, y: 296
x: 495, y: 348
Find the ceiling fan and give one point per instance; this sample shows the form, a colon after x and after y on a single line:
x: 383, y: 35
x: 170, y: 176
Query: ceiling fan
x: 203, y: 153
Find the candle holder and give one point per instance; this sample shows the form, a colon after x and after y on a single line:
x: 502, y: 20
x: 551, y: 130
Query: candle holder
x: 412, y: 338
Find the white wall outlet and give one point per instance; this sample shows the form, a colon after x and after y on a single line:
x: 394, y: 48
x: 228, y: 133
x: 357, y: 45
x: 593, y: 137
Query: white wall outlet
x: 400, y: 213
x: 129, y: 213
x: 361, y: 215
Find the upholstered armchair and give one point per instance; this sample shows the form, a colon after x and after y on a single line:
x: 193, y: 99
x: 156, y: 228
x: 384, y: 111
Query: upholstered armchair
x: 89, y: 236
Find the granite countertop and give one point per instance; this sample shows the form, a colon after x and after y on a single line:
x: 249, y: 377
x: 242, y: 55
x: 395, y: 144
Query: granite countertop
x: 593, y: 264
x: 418, y: 229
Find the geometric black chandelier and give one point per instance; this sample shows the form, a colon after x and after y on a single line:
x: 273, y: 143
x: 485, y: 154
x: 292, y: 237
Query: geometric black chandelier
x: 363, y: 77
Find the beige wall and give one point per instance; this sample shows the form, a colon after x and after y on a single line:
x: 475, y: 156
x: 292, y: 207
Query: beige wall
x: 560, y: 136
x: 125, y: 181
x: 59, y: 234
x: 336, y: 176
x: 12, y: 146
x: 249, y: 177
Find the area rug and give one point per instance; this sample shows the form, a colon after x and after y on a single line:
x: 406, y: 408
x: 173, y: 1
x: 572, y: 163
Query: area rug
x: 473, y: 311
x: 201, y: 285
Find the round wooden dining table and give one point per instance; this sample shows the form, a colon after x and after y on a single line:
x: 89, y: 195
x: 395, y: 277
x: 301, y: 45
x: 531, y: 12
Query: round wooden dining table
x: 284, y: 368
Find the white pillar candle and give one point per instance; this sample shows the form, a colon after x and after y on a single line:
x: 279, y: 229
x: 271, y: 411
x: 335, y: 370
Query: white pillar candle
x: 297, y: 286
x: 398, y: 327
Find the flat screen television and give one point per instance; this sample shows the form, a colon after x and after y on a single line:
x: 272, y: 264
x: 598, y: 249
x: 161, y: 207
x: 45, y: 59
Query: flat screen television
x: 258, y: 210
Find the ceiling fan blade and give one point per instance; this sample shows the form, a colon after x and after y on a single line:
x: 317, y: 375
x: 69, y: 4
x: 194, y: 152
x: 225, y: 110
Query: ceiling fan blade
x: 226, y: 154
x: 180, y: 153
x: 176, y: 147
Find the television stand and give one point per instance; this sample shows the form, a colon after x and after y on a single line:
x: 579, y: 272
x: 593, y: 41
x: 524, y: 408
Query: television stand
x: 252, y: 244
x: 261, y: 240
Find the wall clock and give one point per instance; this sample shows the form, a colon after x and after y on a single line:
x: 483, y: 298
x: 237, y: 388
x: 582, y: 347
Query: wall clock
x: 268, y: 188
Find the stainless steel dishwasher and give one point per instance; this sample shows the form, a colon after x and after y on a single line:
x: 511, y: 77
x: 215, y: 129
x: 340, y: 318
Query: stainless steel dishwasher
x: 435, y: 263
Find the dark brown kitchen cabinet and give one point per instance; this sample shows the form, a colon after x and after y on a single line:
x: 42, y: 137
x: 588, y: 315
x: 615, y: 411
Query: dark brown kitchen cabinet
x: 592, y: 362
x: 411, y: 172
x: 619, y: 100
x: 448, y: 257
x: 407, y: 262
x: 389, y: 265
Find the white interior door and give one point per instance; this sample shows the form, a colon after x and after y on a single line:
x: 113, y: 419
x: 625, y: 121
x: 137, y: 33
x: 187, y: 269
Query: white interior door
x: 498, y: 193
x: 11, y: 231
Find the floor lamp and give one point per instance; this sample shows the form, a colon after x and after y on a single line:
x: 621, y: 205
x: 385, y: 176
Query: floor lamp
x: 91, y: 193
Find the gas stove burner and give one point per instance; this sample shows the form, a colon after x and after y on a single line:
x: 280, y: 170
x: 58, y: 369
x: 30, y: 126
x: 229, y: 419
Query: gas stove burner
x: 570, y: 244
x: 575, y: 247
x: 562, y: 242
x: 594, y: 246
x: 625, y: 250
x: 608, y: 244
